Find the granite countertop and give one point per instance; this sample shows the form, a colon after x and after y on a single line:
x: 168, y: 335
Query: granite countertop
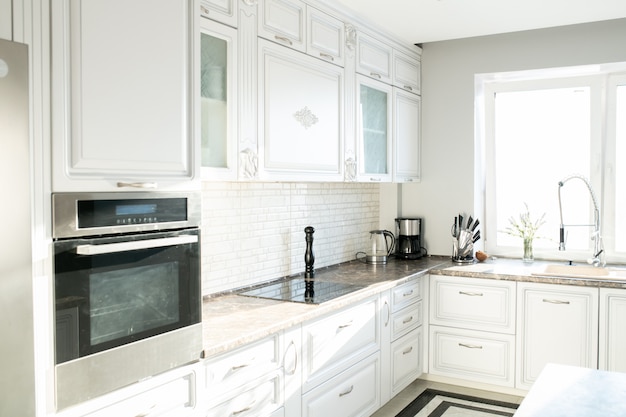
x: 569, y: 391
x: 231, y: 321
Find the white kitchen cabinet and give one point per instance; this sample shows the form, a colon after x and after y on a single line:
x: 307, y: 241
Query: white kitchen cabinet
x: 556, y: 324
x: 224, y: 11
x: 6, y: 20
x: 259, y: 398
x: 283, y: 21
x: 406, y: 72
x: 300, y: 116
x: 352, y: 393
x: 472, y: 355
x: 472, y: 329
x: 325, y: 36
x: 374, y: 130
x: 218, y: 101
x: 612, y: 344
x: 402, y: 338
x: 122, y: 97
x: 373, y: 58
x: 406, y: 136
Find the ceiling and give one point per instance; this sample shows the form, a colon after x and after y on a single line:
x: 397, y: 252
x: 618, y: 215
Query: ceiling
x: 421, y: 21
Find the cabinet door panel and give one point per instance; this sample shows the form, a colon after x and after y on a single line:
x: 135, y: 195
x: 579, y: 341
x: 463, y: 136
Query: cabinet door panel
x: 612, y: 334
x: 373, y: 58
x: 121, y: 103
x: 406, y: 136
x: 283, y: 21
x: 224, y: 11
x: 325, y: 38
x: 407, y: 360
x: 300, y: 115
x: 558, y: 324
x: 406, y: 72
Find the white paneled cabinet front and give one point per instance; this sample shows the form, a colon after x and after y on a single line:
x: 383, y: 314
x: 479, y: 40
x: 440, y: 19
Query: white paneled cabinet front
x: 300, y: 116
x: 374, y: 58
x: 121, y: 97
x: 406, y: 136
x: 283, y: 21
x: 224, y: 11
x: 556, y: 324
x: 325, y: 36
x: 612, y: 334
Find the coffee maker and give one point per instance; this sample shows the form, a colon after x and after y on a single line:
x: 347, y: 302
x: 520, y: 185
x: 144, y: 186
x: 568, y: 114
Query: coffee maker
x: 408, y: 240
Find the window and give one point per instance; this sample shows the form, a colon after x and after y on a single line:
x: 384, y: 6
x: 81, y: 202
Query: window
x: 537, y: 128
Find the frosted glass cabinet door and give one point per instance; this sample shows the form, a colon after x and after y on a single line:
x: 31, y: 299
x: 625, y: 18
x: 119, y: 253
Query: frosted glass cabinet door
x: 217, y: 92
x: 121, y: 102
x: 374, y: 126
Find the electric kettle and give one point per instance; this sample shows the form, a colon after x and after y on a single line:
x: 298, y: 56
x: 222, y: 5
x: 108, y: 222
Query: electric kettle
x: 383, y: 242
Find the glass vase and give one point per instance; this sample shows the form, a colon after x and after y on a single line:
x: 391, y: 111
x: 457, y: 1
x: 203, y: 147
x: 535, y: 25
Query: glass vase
x: 528, y: 250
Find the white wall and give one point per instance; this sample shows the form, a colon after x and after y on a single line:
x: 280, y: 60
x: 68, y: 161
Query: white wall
x: 448, y: 69
x: 254, y: 232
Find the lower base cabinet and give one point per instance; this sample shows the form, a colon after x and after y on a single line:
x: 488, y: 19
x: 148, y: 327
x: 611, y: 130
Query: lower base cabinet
x: 260, y: 398
x: 612, y: 335
x: 353, y: 393
x: 406, y: 360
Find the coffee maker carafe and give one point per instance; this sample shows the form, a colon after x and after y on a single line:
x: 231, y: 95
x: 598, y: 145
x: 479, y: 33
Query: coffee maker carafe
x: 408, y: 240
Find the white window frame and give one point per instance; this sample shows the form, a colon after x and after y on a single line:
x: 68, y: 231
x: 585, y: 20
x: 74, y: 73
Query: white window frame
x: 603, y: 79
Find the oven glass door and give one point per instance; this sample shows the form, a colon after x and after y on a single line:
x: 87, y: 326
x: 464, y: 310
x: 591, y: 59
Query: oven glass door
x: 110, y: 291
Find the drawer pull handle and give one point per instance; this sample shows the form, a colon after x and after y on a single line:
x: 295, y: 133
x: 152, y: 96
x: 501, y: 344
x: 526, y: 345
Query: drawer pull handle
x: 327, y: 56
x: 243, y: 365
x: 547, y: 300
x: 406, y: 294
x: 348, y: 324
x: 122, y: 184
x: 408, y: 87
x: 407, y: 320
x: 375, y: 179
x: 243, y: 410
x: 375, y: 74
x: 388, y: 313
x: 341, y: 394
x: 471, y: 294
x: 466, y: 345
x: 295, y: 356
x: 283, y: 39
x: 407, y: 351
x: 204, y: 10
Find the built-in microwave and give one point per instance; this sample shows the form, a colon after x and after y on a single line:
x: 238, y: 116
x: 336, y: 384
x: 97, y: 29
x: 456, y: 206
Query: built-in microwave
x: 126, y: 289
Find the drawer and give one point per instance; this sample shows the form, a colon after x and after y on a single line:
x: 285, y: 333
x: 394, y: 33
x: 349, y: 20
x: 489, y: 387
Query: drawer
x: 405, y: 294
x: 472, y: 355
x: 407, y: 319
x: 472, y: 303
x: 353, y: 393
x: 237, y: 368
x: 256, y: 399
x: 406, y: 360
x: 172, y: 398
x: 335, y: 342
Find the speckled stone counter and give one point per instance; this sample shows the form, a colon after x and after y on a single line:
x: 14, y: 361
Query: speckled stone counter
x: 568, y: 391
x: 230, y: 321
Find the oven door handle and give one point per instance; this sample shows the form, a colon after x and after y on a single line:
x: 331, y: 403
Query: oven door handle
x: 135, y: 245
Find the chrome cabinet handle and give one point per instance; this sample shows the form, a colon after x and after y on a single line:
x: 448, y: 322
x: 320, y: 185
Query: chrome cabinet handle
x: 243, y: 365
x: 122, y: 184
x: 408, y: 87
x: 375, y: 74
x: 407, y: 351
x: 375, y: 179
x: 135, y: 245
x: 407, y: 320
x: 466, y: 345
x: 406, y: 294
x: 388, y: 313
x: 343, y: 326
x: 295, y: 362
x: 547, y: 300
x: 283, y: 39
x: 327, y: 56
x: 341, y: 394
x: 243, y: 410
x: 471, y: 294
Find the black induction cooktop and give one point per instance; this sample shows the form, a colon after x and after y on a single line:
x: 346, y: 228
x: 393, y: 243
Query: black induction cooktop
x: 294, y: 290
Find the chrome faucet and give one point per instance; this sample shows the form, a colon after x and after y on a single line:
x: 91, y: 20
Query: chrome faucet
x: 598, y: 248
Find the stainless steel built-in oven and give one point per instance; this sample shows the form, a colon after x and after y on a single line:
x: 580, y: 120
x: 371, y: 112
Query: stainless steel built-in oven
x: 127, y: 289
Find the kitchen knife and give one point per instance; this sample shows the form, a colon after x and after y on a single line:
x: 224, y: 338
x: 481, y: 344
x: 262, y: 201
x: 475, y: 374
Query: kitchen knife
x: 476, y: 223
x: 469, y: 222
x: 460, y: 222
x: 476, y: 236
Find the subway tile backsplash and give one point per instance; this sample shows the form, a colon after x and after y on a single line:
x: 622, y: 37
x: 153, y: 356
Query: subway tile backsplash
x: 254, y: 232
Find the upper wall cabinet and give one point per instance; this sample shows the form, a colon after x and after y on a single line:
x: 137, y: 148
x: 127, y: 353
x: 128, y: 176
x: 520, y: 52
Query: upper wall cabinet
x: 406, y: 72
x: 325, y: 36
x: 406, y: 136
x: 224, y: 11
x: 300, y: 116
x: 374, y: 58
x: 121, y: 96
x: 283, y: 21
x: 218, y: 93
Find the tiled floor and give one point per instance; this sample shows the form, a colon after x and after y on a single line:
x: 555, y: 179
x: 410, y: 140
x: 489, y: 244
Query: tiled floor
x: 401, y: 400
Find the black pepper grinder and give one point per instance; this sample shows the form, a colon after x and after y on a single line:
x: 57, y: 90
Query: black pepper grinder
x: 309, y: 260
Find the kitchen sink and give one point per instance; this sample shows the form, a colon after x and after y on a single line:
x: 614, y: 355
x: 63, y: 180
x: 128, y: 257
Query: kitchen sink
x: 582, y: 271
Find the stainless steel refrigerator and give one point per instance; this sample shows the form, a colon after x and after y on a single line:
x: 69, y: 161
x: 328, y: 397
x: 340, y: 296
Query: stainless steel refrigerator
x: 17, y: 379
